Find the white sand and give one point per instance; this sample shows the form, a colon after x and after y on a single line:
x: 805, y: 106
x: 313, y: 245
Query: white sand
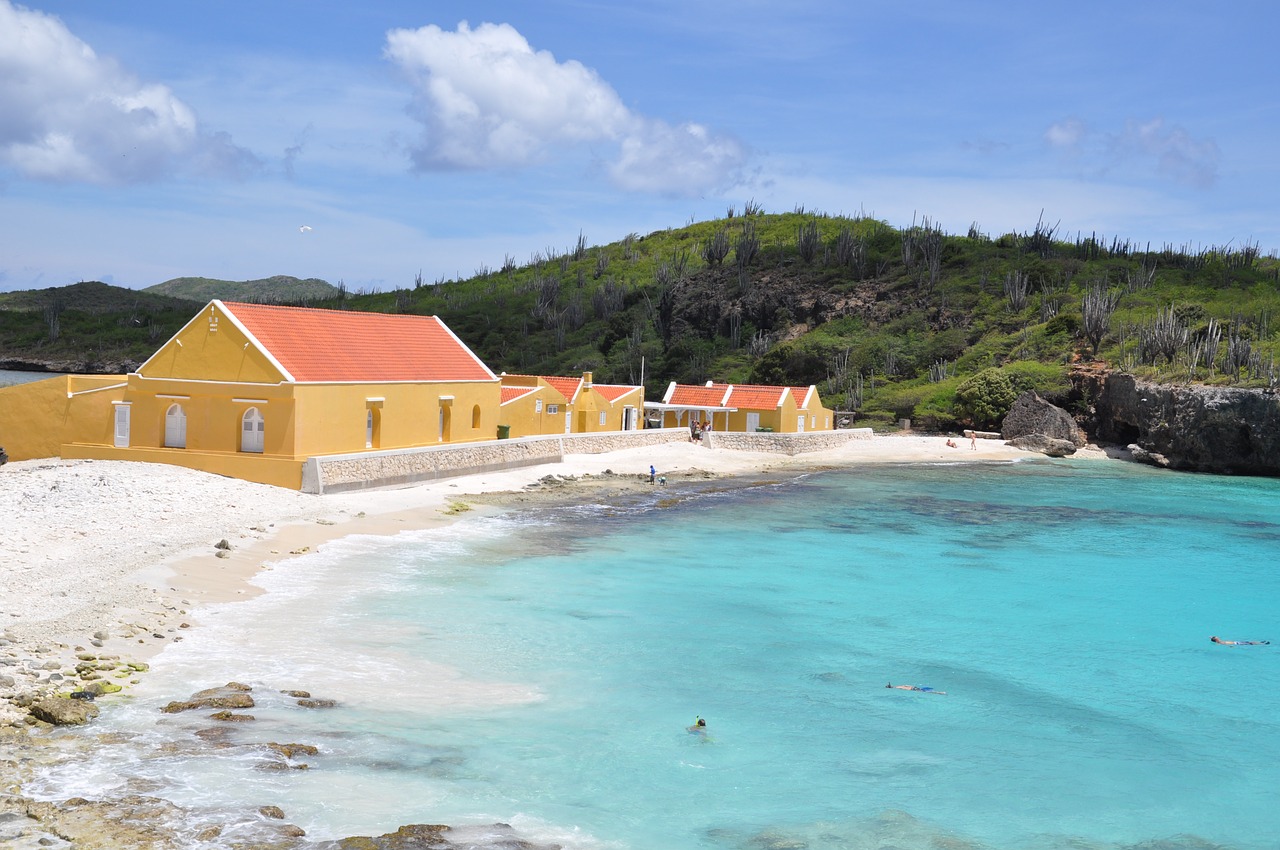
x: 108, y: 556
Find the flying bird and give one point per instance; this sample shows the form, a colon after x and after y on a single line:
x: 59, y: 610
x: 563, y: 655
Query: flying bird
x: 304, y: 229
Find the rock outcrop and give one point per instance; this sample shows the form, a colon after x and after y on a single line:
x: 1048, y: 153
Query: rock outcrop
x: 1032, y: 415
x: 1197, y: 428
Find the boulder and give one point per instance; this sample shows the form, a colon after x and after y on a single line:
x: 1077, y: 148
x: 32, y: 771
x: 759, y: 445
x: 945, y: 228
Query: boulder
x: 230, y: 695
x: 1031, y: 414
x: 1045, y: 445
x: 63, y: 712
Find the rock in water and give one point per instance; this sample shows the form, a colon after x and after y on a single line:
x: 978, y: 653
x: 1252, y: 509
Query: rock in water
x: 63, y: 712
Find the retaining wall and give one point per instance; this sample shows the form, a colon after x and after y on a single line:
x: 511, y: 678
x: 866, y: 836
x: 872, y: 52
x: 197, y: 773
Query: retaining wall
x: 787, y: 444
x: 365, y: 470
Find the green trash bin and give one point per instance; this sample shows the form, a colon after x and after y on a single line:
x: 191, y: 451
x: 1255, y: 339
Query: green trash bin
x: 504, y: 432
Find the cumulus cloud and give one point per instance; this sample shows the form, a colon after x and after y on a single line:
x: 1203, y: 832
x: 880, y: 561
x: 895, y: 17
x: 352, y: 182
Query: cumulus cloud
x: 1170, y: 149
x: 67, y: 114
x: 487, y: 99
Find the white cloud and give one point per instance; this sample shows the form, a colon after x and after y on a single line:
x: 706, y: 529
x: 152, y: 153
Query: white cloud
x: 1066, y: 134
x: 67, y: 114
x: 486, y: 99
x: 1170, y: 149
x: 1176, y: 154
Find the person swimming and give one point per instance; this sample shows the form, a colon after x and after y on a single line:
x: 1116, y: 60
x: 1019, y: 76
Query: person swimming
x: 1217, y: 639
x: 922, y: 688
x: 699, y: 727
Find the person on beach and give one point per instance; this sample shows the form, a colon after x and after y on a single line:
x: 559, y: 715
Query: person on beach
x: 951, y: 444
x: 1217, y: 639
x: 973, y: 440
x: 653, y: 474
x: 922, y: 688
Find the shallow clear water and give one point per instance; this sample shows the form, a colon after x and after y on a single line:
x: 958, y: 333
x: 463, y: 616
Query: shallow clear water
x: 541, y: 669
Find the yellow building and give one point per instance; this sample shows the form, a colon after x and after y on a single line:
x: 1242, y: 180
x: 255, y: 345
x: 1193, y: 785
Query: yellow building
x: 744, y: 408
x: 252, y: 391
x: 547, y: 404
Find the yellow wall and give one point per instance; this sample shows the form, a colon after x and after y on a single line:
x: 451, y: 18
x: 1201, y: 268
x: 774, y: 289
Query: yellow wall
x: 211, y: 348
x: 37, y: 418
x: 591, y: 403
x: 525, y: 417
x: 332, y: 418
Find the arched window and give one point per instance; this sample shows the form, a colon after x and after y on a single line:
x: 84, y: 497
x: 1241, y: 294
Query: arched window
x: 175, y: 427
x: 475, y: 417
x: 252, y: 431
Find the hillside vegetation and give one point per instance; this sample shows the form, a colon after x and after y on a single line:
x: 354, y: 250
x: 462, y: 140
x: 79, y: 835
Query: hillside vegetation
x: 93, y: 326
x: 889, y: 323
x: 278, y: 289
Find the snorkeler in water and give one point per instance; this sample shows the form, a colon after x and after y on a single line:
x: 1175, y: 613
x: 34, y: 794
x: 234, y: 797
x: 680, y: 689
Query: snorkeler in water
x: 922, y: 688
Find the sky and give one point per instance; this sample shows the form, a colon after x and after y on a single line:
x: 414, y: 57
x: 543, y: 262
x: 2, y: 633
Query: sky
x: 372, y: 142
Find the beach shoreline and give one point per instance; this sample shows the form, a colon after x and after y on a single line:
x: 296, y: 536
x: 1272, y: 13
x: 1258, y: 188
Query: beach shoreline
x: 110, y: 558
x: 80, y: 608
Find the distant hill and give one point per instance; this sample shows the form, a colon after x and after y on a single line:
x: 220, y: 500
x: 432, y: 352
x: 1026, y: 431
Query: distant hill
x: 93, y: 297
x: 277, y: 289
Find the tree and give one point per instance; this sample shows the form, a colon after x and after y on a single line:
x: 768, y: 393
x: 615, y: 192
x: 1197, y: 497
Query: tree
x: 986, y: 397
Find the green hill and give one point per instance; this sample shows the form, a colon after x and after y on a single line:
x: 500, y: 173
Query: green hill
x: 91, y: 297
x: 278, y: 289
x: 889, y: 323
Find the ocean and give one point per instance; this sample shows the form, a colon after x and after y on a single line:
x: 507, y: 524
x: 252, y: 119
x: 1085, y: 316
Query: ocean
x: 541, y: 669
x: 8, y: 377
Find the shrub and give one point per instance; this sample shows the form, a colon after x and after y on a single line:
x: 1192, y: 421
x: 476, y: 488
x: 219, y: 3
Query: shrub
x: 986, y: 397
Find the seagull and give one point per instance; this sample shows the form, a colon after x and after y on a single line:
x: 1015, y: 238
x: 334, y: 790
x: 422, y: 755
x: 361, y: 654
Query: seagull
x: 304, y: 229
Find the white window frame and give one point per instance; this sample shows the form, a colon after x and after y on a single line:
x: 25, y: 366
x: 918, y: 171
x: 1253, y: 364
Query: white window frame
x: 255, y: 444
x: 121, y: 428
x: 175, y: 427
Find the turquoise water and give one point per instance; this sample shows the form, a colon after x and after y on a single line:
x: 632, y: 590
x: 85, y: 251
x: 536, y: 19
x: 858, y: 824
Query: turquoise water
x: 541, y: 669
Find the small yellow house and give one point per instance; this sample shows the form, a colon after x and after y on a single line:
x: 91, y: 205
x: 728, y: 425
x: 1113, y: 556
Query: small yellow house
x: 744, y: 408
x: 548, y: 404
x: 252, y: 391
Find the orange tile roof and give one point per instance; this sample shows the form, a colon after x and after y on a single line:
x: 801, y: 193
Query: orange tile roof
x: 511, y: 393
x: 321, y: 346
x: 613, y: 392
x: 801, y: 393
x: 698, y: 395
x: 753, y: 397
x: 567, y: 387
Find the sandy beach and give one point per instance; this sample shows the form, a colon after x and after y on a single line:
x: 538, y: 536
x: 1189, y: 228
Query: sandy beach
x: 109, y: 558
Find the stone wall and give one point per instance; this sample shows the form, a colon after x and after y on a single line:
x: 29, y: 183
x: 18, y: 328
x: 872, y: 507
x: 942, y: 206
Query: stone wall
x: 364, y: 470
x: 787, y: 444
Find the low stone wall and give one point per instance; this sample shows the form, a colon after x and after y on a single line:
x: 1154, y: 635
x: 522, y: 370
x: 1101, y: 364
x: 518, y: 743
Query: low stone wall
x: 396, y: 467
x: 787, y: 444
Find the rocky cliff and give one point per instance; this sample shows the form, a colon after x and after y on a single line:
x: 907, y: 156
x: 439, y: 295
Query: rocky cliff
x: 1198, y: 428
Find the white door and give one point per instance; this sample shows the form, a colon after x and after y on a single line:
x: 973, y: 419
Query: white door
x: 252, y: 431
x: 800, y: 424
x: 753, y: 422
x: 628, y: 419
x: 175, y: 427
x: 568, y: 421
x: 122, y: 426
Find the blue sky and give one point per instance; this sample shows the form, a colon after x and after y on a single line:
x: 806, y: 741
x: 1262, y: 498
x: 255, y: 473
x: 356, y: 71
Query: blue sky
x: 147, y: 140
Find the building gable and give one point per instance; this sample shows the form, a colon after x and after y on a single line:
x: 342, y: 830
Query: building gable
x: 214, y: 347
